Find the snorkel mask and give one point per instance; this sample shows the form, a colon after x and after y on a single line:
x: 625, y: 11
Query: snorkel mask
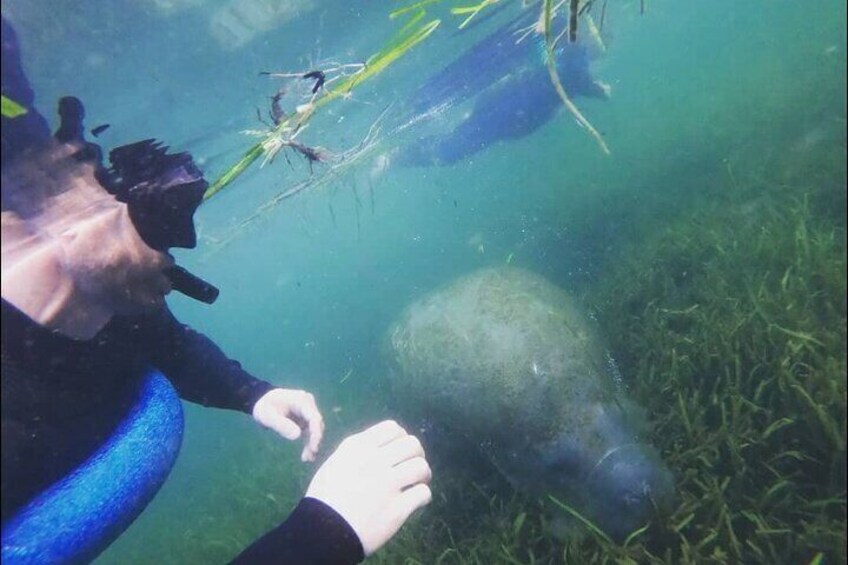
x: 161, y: 190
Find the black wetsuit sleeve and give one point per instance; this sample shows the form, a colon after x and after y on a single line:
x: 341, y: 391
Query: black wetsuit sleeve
x: 314, y: 534
x: 198, y: 369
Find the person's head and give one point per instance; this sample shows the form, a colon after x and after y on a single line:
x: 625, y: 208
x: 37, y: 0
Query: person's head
x: 80, y: 227
x: 64, y: 213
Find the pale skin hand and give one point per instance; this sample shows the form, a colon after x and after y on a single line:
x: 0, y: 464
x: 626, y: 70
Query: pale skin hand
x: 375, y: 480
x: 291, y: 413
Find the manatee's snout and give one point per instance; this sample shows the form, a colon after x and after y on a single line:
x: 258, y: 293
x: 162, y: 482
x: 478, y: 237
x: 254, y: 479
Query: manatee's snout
x: 630, y: 486
x: 620, y: 488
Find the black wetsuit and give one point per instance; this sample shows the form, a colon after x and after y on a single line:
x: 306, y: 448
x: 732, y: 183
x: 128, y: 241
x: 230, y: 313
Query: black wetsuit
x: 314, y: 534
x: 61, y: 399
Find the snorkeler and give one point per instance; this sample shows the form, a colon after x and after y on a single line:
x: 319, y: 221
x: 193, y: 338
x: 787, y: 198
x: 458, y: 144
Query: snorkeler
x: 85, y: 270
x: 506, y: 81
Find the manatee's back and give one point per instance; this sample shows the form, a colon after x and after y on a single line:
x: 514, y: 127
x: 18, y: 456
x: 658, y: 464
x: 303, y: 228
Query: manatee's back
x: 499, y: 350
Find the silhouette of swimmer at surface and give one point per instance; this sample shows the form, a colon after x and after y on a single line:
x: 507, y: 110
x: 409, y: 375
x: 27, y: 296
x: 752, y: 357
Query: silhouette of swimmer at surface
x: 513, y: 90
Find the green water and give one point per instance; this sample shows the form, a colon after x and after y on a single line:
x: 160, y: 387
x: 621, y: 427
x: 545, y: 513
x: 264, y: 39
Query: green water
x: 710, y: 244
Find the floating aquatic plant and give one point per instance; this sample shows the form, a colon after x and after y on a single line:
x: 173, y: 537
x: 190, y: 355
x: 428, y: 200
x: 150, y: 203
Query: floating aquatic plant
x: 550, y: 62
x: 10, y: 108
x: 283, y: 133
x: 471, y: 11
x: 338, y: 165
x: 549, y: 9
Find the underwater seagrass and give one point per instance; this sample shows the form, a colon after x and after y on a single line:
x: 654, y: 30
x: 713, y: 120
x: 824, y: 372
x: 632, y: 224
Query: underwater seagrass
x: 509, y: 361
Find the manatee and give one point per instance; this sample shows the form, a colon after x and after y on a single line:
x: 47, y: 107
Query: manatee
x: 511, y: 91
x: 511, y: 362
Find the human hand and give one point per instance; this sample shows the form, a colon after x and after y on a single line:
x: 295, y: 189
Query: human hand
x: 290, y: 412
x: 375, y: 480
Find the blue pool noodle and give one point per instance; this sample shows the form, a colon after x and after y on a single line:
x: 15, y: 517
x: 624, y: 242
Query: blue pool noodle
x: 76, y: 518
